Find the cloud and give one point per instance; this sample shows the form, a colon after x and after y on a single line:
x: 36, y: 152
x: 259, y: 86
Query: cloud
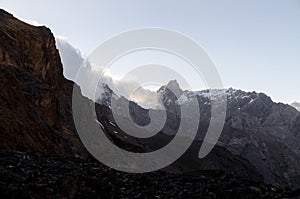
x: 71, y: 57
x: 73, y: 62
x: 126, y: 88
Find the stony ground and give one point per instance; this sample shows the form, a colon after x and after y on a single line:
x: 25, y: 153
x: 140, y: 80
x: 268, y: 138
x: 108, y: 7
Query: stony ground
x: 24, y: 175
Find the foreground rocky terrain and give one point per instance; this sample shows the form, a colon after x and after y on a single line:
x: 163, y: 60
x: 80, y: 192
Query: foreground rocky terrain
x: 41, y: 155
x: 25, y: 175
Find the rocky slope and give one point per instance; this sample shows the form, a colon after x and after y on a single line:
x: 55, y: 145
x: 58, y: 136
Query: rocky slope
x: 256, y: 128
x: 26, y: 175
x: 36, y: 119
x: 264, y: 133
x: 259, y: 130
x: 35, y: 98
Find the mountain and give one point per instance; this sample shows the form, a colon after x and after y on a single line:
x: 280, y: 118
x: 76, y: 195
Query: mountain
x: 263, y: 132
x: 296, y: 105
x: 35, y: 98
x: 257, y: 129
x: 41, y: 153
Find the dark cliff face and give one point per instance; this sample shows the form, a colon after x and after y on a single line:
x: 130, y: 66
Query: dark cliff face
x: 36, y: 114
x: 35, y: 98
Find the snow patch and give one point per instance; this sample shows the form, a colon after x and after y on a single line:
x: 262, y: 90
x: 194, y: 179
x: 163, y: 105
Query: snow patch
x: 182, y: 100
x: 112, y: 123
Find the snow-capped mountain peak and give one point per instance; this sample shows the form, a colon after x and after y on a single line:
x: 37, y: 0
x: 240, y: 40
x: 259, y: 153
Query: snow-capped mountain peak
x: 218, y: 94
x: 296, y: 105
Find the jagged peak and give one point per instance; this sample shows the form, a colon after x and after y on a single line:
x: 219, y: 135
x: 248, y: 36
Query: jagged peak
x: 172, y: 86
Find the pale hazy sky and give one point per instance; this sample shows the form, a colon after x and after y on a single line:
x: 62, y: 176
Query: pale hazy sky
x: 254, y: 44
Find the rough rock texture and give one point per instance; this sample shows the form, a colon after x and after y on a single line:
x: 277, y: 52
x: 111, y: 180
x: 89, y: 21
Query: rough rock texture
x: 219, y: 159
x: 264, y: 133
x: 35, y: 116
x: 25, y: 175
x: 35, y: 99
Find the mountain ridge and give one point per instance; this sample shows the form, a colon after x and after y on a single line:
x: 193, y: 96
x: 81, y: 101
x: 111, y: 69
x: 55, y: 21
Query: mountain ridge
x: 256, y: 128
x: 36, y: 109
x: 36, y: 116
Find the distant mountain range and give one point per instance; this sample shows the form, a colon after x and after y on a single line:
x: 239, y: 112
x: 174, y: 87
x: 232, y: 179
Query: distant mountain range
x: 257, y: 129
x: 259, y: 142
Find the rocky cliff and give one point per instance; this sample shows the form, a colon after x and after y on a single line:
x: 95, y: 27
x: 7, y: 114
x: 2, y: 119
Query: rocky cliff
x: 36, y: 126
x: 40, y: 118
x: 35, y: 98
